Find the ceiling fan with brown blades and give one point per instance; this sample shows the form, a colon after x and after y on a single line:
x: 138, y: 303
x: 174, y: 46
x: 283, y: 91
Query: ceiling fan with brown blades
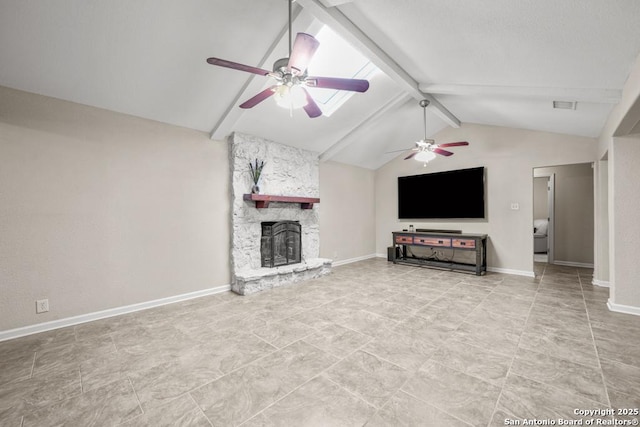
x: 291, y: 76
x: 426, y: 149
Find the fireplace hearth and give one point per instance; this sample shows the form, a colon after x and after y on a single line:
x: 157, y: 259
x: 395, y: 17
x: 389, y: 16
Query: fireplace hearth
x: 280, y: 243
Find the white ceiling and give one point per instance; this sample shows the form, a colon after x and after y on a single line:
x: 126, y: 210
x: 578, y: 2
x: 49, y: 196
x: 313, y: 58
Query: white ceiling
x: 497, y: 62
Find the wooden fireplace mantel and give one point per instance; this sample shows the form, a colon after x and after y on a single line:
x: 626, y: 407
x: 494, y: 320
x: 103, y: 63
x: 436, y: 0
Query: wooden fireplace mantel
x: 263, y: 200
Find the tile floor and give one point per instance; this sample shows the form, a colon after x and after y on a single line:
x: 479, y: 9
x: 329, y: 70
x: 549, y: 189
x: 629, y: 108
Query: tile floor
x: 371, y: 344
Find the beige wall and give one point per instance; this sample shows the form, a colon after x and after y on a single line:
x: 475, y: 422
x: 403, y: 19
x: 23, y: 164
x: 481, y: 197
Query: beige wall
x: 601, y: 224
x: 509, y: 156
x: 540, y: 198
x: 623, y: 201
x: 347, y: 212
x: 101, y: 210
x: 573, y: 208
x: 625, y: 155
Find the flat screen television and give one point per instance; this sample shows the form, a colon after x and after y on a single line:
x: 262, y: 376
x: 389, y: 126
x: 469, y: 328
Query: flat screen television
x: 457, y: 194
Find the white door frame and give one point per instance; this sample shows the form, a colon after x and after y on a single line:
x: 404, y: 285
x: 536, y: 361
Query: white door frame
x: 551, y: 197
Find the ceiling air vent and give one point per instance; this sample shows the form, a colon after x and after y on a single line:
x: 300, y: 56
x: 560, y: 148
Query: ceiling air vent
x: 565, y: 105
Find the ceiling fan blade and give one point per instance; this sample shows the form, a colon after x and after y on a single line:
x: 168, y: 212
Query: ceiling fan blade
x: 354, y: 85
x: 397, y: 151
x: 311, y: 108
x: 411, y: 155
x: 442, y: 152
x: 454, y: 144
x: 302, y: 51
x: 252, y: 102
x: 234, y: 65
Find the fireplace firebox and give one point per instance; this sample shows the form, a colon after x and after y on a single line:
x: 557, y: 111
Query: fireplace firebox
x: 280, y: 243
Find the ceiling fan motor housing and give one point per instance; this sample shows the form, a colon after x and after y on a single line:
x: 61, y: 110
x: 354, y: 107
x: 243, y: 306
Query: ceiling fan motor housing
x: 281, y: 65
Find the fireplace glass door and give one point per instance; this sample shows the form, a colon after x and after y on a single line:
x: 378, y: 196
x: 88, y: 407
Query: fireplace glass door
x: 280, y: 243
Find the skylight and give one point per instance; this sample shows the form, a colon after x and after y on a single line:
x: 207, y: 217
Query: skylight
x: 336, y: 58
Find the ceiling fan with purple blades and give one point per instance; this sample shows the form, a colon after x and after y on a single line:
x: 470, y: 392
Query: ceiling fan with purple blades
x: 290, y: 75
x: 430, y: 145
x: 425, y: 146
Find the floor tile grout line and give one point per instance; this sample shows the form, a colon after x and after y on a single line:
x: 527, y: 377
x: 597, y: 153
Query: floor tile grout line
x: 339, y: 360
x: 267, y: 342
x: 115, y: 344
x: 382, y: 358
x: 135, y: 393
x: 82, y: 391
x: 348, y: 328
x: 565, y: 359
x: 434, y: 406
x: 616, y: 362
x: 351, y: 393
x: 465, y: 373
x: 33, y: 365
x: 348, y: 354
x: 506, y: 378
x: 564, y: 391
x: 454, y: 339
x: 595, y: 346
x: 608, y: 359
x: 199, y: 408
x: 224, y: 374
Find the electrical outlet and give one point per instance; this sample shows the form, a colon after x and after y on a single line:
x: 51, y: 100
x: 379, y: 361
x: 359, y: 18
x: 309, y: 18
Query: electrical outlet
x: 42, y: 306
x: 515, y: 206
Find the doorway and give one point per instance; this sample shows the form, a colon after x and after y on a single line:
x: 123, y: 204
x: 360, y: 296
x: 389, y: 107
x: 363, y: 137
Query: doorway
x: 543, y: 216
x: 564, y: 226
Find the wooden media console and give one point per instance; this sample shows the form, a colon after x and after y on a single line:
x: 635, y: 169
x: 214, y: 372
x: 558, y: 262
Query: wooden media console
x: 453, y: 241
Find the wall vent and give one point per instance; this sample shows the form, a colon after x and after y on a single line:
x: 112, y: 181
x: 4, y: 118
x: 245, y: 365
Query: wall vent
x: 565, y: 105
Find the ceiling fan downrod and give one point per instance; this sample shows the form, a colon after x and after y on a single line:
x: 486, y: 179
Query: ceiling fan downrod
x: 290, y: 6
x: 424, y: 104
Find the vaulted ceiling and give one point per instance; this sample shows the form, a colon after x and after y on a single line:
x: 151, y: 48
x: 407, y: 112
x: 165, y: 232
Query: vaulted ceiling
x: 495, y: 62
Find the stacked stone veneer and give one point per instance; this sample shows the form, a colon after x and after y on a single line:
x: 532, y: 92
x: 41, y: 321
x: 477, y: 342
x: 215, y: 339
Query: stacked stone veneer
x: 288, y: 171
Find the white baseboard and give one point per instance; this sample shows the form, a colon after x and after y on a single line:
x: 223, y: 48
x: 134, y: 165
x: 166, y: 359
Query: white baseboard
x: 573, y: 264
x: 602, y: 283
x: 627, y: 309
x: 510, y: 271
x: 356, y: 259
x: 83, y: 318
x: 381, y: 256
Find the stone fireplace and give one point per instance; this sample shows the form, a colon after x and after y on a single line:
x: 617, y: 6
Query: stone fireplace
x: 288, y: 171
x: 280, y: 243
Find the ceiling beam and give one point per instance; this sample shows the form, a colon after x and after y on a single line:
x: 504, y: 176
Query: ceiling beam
x: 603, y: 96
x: 630, y: 123
x: 227, y: 121
x: 351, y: 33
x: 351, y: 136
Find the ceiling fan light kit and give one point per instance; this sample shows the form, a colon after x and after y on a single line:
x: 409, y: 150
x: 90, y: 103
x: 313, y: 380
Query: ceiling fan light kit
x: 425, y: 156
x: 291, y: 77
x: 291, y: 97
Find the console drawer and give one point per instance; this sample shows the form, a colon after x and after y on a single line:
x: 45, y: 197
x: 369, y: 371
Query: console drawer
x: 404, y: 239
x: 432, y: 241
x: 464, y: 243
